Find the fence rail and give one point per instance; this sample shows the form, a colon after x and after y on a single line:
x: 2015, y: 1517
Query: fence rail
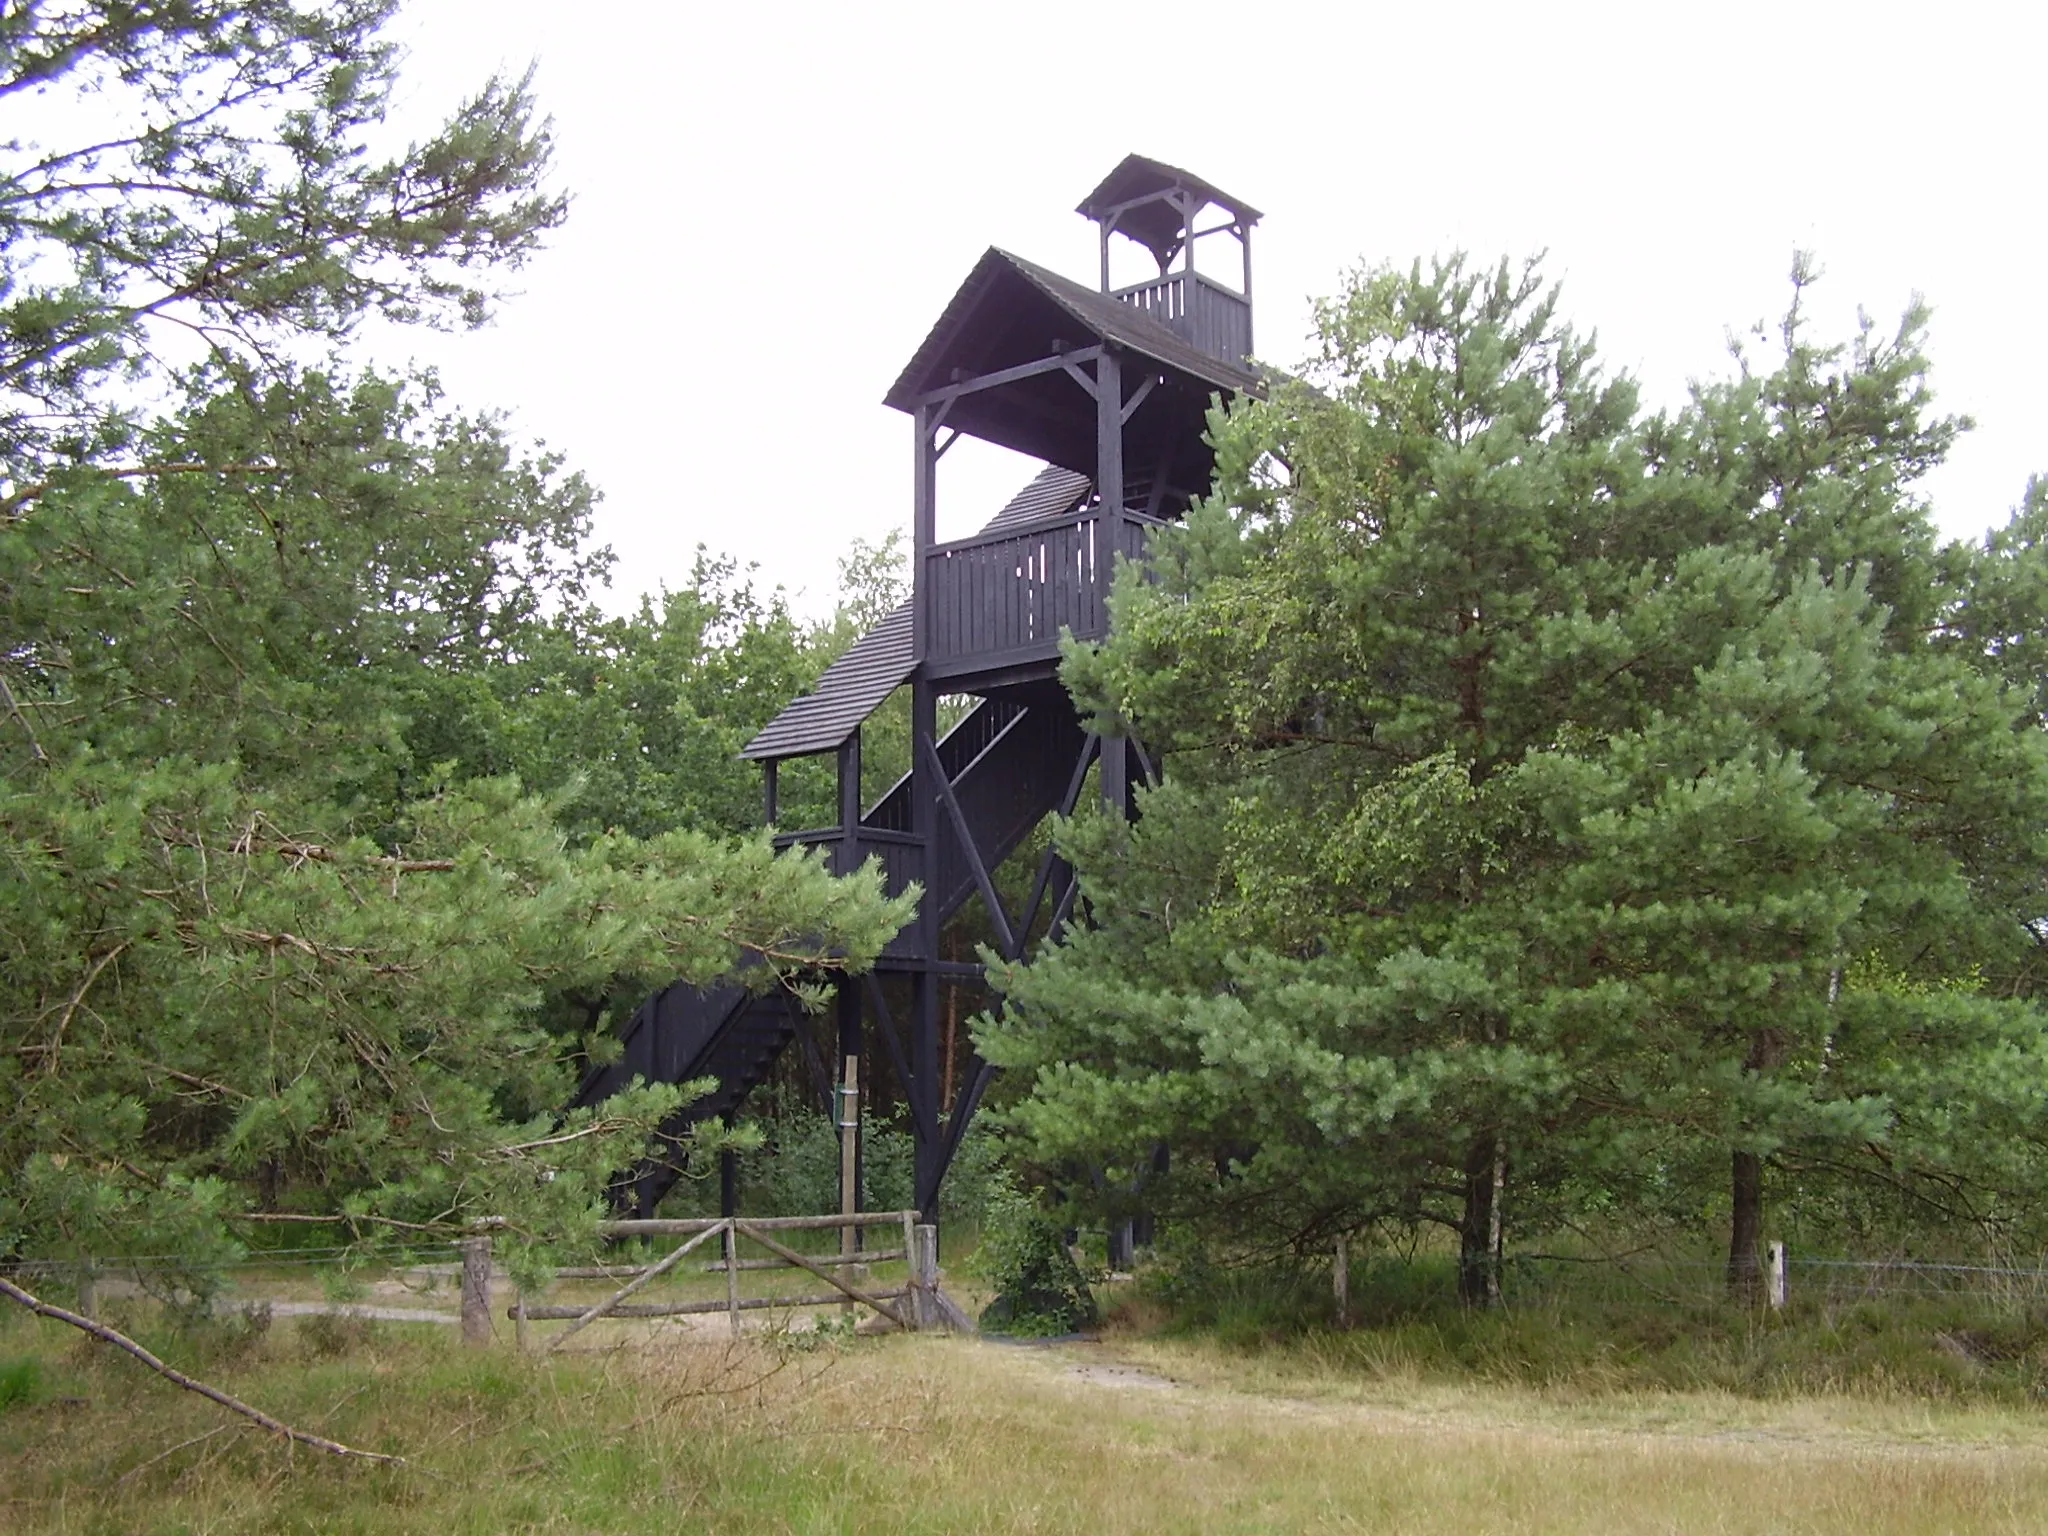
x: 918, y: 1303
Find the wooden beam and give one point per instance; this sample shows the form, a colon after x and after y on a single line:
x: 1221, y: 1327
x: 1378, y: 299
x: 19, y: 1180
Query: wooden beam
x: 964, y: 1106
x: 752, y: 1232
x: 1005, y: 932
x: 1138, y: 398
x: 924, y: 524
x: 943, y: 397
x: 695, y: 1308
x: 647, y: 1277
x: 665, y: 1226
x: 918, y: 1093
x: 1072, y: 797
x: 1064, y: 910
x: 1145, y: 766
x: 968, y: 1101
x: 849, y: 798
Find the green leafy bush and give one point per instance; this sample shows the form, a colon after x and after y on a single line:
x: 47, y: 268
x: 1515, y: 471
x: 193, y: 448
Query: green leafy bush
x: 1039, y: 1289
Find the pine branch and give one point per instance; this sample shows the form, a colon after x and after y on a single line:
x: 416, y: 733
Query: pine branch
x: 11, y: 504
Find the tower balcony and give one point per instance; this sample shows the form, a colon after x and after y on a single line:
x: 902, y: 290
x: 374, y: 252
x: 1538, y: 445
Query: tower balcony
x: 1199, y: 310
x: 1000, y: 600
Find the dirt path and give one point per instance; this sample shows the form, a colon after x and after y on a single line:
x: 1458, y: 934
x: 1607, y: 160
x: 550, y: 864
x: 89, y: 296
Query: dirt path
x: 375, y: 1314
x: 1817, y: 1427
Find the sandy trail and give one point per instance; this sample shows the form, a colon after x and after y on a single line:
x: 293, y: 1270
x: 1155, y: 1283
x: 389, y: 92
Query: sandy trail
x: 1806, y: 1427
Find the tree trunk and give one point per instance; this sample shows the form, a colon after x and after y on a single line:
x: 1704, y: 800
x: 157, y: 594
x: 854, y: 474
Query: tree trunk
x: 1479, y: 1235
x: 1746, y: 1186
x: 1746, y: 1226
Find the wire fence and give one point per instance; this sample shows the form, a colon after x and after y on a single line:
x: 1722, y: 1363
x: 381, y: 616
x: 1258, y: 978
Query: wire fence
x: 1391, y: 1284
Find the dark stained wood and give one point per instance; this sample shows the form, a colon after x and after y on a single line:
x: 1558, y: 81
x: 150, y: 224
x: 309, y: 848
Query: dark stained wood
x: 1110, y: 388
x: 915, y: 1090
x: 1006, y: 934
x: 942, y: 399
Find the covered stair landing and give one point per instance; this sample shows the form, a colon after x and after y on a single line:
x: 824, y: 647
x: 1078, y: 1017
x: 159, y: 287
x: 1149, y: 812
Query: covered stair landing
x: 1018, y: 756
x: 1111, y: 387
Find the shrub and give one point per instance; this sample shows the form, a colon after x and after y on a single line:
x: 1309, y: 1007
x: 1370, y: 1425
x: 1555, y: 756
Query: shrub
x: 1039, y: 1289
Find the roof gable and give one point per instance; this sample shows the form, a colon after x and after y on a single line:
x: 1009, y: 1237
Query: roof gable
x: 1012, y: 311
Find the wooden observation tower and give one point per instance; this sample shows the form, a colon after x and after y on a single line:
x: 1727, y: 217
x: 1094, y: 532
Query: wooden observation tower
x: 1109, y: 387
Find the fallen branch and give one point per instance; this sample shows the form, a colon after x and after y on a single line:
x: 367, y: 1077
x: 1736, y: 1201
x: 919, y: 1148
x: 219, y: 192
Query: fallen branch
x: 176, y: 1377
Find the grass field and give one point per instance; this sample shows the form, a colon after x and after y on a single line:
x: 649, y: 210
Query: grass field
x: 653, y: 1431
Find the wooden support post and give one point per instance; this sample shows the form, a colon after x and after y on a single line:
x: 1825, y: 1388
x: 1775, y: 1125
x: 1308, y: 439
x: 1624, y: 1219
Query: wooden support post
x: 923, y: 526
x: 1109, y: 450
x: 770, y: 807
x: 519, y: 1320
x: 1340, y: 1282
x: 849, y: 805
x: 476, y: 1291
x: 1775, y: 1287
x: 729, y: 1207
x: 1120, y: 1254
x: 915, y: 1308
x: 924, y: 1276
x: 732, y: 1280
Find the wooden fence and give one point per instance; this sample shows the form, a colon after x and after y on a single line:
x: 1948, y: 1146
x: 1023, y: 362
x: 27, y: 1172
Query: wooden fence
x: 917, y: 1304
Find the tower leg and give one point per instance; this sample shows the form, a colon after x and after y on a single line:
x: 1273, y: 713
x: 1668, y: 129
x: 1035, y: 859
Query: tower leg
x: 1115, y: 773
x: 924, y: 1065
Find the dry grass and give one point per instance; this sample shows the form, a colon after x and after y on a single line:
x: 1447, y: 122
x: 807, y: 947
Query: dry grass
x: 909, y: 1435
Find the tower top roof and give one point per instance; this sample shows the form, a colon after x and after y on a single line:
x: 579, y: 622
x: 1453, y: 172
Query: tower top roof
x: 1130, y: 201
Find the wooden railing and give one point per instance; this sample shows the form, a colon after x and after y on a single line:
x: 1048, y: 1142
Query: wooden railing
x: 1201, y: 312
x: 1004, y: 599
x: 902, y: 858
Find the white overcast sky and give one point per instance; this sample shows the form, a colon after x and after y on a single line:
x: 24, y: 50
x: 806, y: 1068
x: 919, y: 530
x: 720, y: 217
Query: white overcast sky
x: 772, y: 203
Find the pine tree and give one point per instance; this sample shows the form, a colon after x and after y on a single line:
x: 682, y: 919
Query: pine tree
x: 1538, y: 770
x: 283, y: 942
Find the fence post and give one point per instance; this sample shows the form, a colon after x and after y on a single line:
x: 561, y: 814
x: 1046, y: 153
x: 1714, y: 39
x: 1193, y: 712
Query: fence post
x: 519, y: 1321
x: 1774, y: 1276
x: 912, y: 1307
x: 89, y: 1289
x: 1340, y: 1281
x: 924, y: 1276
x: 849, y: 1161
x: 476, y: 1290
x: 732, y: 1275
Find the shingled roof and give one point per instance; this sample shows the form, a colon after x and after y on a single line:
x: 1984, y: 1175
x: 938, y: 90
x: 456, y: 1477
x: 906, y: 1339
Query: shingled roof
x: 1108, y: 319
x: 1155, y: 226
x: 880, y: 662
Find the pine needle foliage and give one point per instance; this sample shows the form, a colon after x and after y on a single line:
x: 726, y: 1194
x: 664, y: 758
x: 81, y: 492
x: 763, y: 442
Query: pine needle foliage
x: 1572, y: 813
